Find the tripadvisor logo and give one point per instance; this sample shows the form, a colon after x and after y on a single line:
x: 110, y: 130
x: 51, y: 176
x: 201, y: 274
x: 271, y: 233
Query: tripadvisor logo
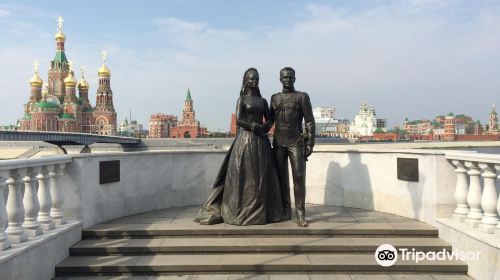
x: 387, y: 255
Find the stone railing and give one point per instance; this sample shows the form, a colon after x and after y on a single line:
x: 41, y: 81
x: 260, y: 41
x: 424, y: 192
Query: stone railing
x: 477, y: 201
x: 31, y: 198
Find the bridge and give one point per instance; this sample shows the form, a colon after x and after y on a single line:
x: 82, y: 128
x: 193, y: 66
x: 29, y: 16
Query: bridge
x: 66, y: 138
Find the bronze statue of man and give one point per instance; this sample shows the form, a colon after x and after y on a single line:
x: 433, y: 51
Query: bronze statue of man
x: 291, y: 140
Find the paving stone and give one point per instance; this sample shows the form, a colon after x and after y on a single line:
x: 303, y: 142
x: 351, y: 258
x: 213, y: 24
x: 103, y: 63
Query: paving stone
x: 451, y: 277
x: 289, y: 277
x: 412, y: 277
x: 370, y: 277
x: 329, y: 277
x: 178, y: 245
x: 208, y: 277
x: 169, y: 277
x: 248, y: 277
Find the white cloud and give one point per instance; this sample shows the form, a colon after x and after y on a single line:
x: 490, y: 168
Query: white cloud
x: 4, y: 13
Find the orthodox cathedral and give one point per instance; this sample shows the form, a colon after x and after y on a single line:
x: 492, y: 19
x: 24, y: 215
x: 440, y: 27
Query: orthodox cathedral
x: 55, y: 106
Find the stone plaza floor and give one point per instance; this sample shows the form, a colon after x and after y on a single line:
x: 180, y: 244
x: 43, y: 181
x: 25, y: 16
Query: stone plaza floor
x: 336, y: 235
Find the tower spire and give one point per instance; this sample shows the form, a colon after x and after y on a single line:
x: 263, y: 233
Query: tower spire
x: 60, y: 37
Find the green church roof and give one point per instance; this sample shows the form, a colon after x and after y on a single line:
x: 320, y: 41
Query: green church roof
x: 60, y: 58
x: 47, y: 105
x: 188, y: 95
x: 67, y: 116
x: 27, y: 116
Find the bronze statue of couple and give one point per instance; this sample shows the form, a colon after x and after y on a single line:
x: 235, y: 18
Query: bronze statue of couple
x: 252, y: 186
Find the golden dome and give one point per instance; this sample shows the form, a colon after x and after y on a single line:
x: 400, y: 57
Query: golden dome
x: 104, y: 71
x: 60, y: 36
x: 45, y: 89
x: 83, y: 84
x: 70, y: 81
x: 35, y: 81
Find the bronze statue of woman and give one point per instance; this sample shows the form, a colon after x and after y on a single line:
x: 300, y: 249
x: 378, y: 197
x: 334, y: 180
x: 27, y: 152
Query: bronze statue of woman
x: 247, y: 190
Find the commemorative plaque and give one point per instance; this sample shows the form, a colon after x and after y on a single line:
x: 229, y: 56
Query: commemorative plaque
x: 408, y: 169
x: 109, y: 171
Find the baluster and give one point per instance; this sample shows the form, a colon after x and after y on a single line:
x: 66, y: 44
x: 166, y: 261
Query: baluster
x: 461, y: 190
x: 497, y: 167
x: 57, y: 194
x: 474, y: 195
x: 489, y: 199
x: 45, y: 199
x: 15, y: 208
x: 31, y: 205
x: 4, y: 240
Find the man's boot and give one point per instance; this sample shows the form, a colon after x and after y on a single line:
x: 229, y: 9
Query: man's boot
x: 300, y: 219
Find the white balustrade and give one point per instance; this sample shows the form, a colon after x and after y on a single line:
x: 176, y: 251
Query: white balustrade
x: 45, y: 198
x: 461, y: 191
x: 15, y: 207
x: 475, y: 193
x: 31, y: 204
x: 28, y: 210
x: 478, y: 205
x: 4, y: 241
x: 497, y: 167
x: 489, y: 199
x: 57, y: 194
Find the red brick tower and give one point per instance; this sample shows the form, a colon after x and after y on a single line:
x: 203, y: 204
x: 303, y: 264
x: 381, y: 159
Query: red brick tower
x: 449, y: 127
x: 59, y: 69
x: 87, y: 122
x: 36, y: 84
x: 104, y: 112
x: 70, y: 119
x: 189, y: 127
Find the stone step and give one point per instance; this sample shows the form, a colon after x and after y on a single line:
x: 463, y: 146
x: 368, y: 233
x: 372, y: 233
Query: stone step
x: 242, y: 263
x: 249, y: 245
x: 112, y: 230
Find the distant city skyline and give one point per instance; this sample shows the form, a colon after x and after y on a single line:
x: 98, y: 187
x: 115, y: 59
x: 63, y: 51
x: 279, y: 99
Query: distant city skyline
x: 413, y: 58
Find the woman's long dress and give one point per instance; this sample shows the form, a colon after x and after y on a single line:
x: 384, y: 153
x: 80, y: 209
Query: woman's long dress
x: 247, y: 189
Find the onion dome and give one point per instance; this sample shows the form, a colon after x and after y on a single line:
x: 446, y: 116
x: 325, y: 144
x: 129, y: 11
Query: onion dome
x: 104, y: 70
x: 45, y: 89
x: 35, y: 81
x: 60, y: 36
x: 83, y: 84
x: 70, y: 80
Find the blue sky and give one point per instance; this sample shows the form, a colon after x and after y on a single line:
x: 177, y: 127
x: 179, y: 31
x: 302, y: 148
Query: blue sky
x: 413, y: 58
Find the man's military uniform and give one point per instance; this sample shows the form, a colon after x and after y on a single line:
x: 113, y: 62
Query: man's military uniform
x: 290, y: 138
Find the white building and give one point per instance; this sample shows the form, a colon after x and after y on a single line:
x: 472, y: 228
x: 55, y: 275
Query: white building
x: 364, y: 123
x: 324, y: 118
x: 324, y: 112
x: 131, y: 128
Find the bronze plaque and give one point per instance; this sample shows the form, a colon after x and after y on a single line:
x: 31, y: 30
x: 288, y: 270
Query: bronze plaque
x: 408, y: 169
x: 109, y: 171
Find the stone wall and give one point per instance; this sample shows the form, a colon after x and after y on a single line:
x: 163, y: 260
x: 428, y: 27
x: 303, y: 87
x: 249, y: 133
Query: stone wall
x: 355, y: 178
